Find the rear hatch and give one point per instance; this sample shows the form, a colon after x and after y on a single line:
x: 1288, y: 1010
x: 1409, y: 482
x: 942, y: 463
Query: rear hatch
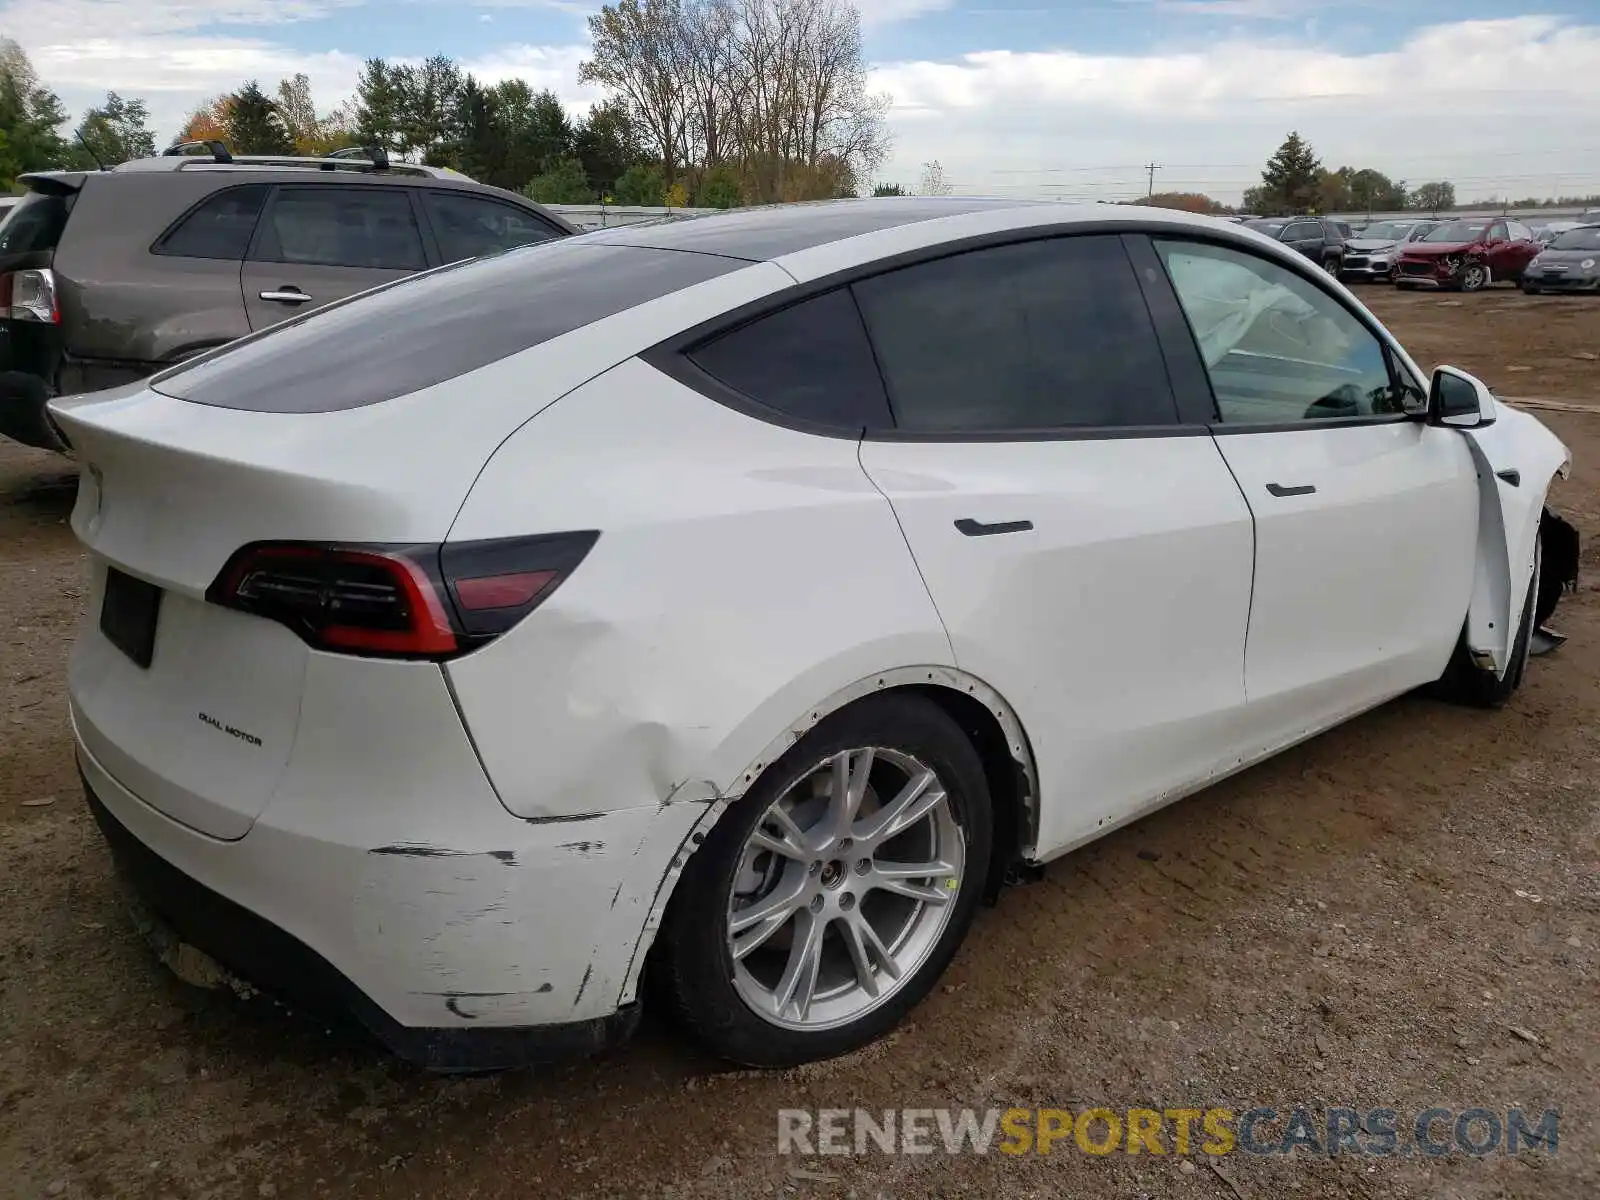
x: 365, y: 424
x: 190, y: 705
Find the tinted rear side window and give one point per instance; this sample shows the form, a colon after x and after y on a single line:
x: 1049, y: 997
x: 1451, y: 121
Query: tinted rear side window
x: 429, y: 328
x: 220, y: 227
x: 1039, y: 335
x: 366, y: 227
x: 468, y: 226
x: 811, y: 361
x: 35, y: 224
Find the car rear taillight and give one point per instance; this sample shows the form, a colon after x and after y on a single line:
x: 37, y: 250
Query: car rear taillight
x: 30, y: 296
x: 399, y: 601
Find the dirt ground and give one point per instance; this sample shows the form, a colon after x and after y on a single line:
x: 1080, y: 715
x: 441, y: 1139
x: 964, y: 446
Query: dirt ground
x: 1403, y: 913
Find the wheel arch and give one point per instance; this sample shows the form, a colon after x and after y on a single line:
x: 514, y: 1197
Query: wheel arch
x: 987, y: 718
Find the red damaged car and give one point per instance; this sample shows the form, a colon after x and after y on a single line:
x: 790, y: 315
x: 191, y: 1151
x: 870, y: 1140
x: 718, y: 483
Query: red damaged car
x: 1467, y: 255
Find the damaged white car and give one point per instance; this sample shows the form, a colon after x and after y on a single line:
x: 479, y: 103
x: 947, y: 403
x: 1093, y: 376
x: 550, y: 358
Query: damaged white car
x: 734, y: 604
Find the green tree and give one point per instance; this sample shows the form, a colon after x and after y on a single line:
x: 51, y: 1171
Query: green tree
x: 115, y: 132
x: 377, y: 106
x: 888, y: 189
x: 641, y: 184
x: 253, y: 125
x: 720, y: 188
x: 565, y: 182
x: 429, y: 96
x: 1291, y: 182
x: 607, y: 144
x: 1434, y: 197
x: 1373, y: 191
x: 30, y: 115
x: 481, y: 149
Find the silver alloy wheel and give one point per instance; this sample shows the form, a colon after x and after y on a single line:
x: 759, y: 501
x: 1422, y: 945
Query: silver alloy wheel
x: 844, y: 888
x: 1474, y: 277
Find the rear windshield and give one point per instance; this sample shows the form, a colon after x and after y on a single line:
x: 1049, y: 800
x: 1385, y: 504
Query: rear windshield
x: 35, y: 224
x: 433, y: 327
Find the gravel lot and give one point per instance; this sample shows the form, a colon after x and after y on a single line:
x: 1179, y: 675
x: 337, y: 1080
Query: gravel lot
x: 1361, y: 921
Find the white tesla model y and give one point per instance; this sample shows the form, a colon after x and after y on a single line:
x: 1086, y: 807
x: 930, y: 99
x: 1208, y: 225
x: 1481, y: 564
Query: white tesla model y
x: 738, y: 600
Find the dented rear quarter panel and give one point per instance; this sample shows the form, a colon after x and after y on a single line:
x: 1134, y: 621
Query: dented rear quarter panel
x: 744, y: 573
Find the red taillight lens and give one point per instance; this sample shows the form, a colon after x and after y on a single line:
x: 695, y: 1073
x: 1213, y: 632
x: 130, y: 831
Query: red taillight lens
x: 398, y: 601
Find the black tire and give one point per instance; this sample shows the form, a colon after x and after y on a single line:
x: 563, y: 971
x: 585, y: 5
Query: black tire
x: 1464, y: 683
x: 1529, y: 289
x: 695, y: 970
x: 1474, y: 277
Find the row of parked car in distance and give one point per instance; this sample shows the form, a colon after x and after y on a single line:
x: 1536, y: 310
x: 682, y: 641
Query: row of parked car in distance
x: 1463, y: 254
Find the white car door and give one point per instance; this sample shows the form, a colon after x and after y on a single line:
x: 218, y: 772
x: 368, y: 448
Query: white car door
x: 1089, y: 556
x: 1366, y: 518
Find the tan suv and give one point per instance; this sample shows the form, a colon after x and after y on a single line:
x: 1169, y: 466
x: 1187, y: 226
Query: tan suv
x: 108, y: 276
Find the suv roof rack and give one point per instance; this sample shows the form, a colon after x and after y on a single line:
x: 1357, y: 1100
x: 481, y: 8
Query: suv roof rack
x: 219, y: 151
x: 211, y: 155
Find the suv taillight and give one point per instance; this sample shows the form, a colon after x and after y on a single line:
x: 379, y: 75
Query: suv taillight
x: 428, y: 602
x: 30, y: 296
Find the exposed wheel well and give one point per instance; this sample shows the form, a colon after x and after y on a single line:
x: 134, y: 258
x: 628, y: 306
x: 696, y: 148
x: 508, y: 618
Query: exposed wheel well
x: 1009, y: 789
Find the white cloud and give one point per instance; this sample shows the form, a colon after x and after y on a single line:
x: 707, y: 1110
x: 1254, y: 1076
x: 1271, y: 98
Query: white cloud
x: 1497, y: 105
x: 1510, y: 106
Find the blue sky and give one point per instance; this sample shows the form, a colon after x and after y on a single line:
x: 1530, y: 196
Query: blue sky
x: 1011, y: 96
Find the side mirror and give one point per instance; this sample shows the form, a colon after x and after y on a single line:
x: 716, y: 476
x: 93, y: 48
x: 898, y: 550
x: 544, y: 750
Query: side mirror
x: 1459, y: 401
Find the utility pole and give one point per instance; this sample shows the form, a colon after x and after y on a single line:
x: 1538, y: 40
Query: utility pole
x: 1152, y: 168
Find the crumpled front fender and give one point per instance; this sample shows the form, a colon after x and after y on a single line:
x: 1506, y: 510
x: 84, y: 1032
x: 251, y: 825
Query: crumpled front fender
x: 1517, y: 457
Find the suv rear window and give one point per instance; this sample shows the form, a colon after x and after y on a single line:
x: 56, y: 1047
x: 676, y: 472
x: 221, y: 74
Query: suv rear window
x: 432, y: 327
x: 35, y: 225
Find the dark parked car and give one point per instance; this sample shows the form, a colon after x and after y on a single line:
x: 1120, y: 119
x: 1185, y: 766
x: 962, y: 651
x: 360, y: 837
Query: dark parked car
x: 1571, y: 263
x: 109, y: 276
x: 1319, y: 238
x: 1467, y: 255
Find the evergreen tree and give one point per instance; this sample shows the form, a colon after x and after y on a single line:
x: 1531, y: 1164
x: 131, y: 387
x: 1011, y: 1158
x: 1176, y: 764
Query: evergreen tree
x: 606, y: 143
x: 481, y: 136
x: 253, y: 123
x: 1293, y: 179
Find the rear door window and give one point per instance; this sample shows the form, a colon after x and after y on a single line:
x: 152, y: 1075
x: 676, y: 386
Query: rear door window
x: 371, y: 227
x: 220, y: 227
x: 810, y: 361
x: 1041, y: 335
x: 36, y: 224
x: 468, y: 226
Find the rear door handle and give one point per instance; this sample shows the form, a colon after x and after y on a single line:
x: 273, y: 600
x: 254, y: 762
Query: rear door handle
x: 978, y: 529
x: 1302, y: 489
x: 288, y: 294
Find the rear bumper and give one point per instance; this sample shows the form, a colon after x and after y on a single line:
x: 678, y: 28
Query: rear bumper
x: 464, y: 938
x: 181, y: 911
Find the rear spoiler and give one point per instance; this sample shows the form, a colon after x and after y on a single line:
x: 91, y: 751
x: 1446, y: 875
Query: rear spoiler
x: 54, y: 183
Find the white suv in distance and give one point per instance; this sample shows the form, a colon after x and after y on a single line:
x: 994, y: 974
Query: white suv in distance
x: 740, y: 599
x: 1371, y: 254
